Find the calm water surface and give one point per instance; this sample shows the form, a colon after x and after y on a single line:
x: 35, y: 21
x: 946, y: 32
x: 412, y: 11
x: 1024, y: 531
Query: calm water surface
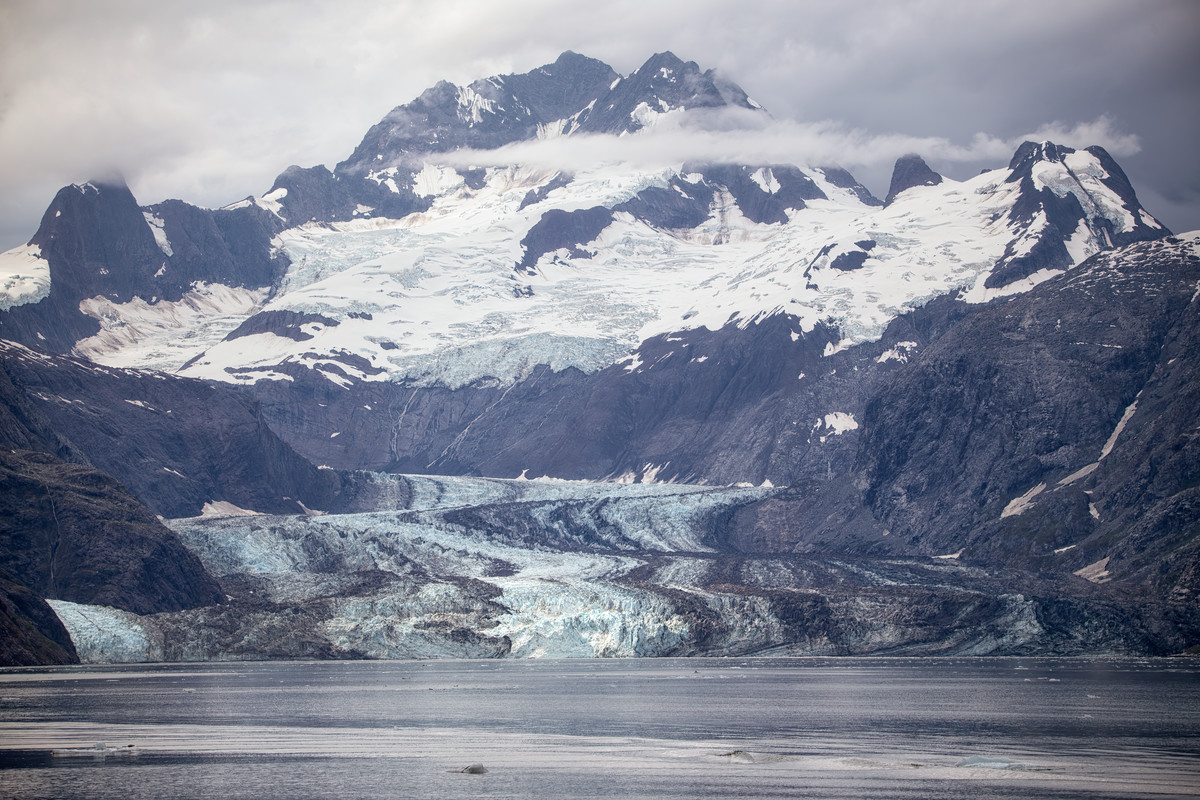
x: 686, y: 728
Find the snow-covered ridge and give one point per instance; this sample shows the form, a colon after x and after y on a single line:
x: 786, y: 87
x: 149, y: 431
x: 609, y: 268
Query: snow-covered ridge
x: 162, y: 334
x: 444, y: 305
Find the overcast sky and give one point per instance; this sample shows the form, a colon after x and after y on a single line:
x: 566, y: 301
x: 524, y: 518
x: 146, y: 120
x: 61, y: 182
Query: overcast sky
x: 208, y: 102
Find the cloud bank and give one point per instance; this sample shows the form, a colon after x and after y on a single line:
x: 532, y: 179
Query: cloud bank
x: 748, y: 137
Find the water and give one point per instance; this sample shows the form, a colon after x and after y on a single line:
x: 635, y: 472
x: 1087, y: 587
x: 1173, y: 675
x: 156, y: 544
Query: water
x: 662, y: 728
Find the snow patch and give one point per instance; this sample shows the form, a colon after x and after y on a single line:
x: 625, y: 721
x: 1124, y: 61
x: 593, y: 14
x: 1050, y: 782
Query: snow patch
x: 644, y: 115
x: 900, y: 353
x: 839, y: 422
x: 1096, y: 572
x: 163, y: 335
x: 272, y: 201
x: 1021, y: 504
x: 160, y: 235
x: 223, y: 508
x: 981, y: 294
x: 1080, y: 473
x: 766, y: 180
x: 433, y: 181
x: 472, y: 105
x: 24, y: 277
x: 1112, y: 440
x: 650, y: 472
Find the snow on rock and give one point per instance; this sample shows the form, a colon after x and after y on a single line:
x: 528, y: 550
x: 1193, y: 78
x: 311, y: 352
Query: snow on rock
x: 901, y: 353
x: 1130, y: 410
x: 24, y: 277
x: 839, y: 422
x: 438, y: 286
x: 160, y: 235
x: 1096, y: 572
x: 434, y: 181
x: 433, y: 298
x: 163, y: 335
x: 273, y: 201
x: 835, y: 424
x: 1020, y: 505
x: 1088, y: 469
x: 1079, y: 474
x: 223, y: 508
x: 104, y: 635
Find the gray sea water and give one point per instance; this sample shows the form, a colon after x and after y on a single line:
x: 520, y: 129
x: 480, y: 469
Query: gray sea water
x: 661, y: 728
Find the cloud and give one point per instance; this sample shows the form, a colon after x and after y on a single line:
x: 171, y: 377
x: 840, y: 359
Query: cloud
x: 748, y: 137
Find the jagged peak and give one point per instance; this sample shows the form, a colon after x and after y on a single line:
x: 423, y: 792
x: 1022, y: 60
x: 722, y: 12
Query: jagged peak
x: 440, y: 93
x: 569, y: 58
x: 99, y: 183
x: 666, y: 60
x: 910, y: 170
x: 1032, y: 152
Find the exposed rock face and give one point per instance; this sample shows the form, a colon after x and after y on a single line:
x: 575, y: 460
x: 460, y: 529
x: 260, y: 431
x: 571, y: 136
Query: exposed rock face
x: 68, y: 531
x: 1038, y: 398
x: 910, y: 170
x: 177, y: 444
x: 487, y: 114
x: 30, y: 633
x: 72, y: 533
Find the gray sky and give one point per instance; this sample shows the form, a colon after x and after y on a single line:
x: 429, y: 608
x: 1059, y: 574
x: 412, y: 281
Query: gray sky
x: 208, y: 102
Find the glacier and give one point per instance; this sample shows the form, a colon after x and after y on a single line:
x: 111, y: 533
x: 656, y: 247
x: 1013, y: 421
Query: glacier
x: 485, y: 568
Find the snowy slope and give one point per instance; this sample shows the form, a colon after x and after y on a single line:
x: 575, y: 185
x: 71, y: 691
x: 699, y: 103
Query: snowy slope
x: 406, y: 265
x: 433, y: 298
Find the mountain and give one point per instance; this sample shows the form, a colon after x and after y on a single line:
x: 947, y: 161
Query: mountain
x: 980, y: 393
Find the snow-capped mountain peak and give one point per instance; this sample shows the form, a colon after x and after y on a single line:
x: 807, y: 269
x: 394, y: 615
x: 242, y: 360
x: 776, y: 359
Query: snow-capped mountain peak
x: 412, y: 267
